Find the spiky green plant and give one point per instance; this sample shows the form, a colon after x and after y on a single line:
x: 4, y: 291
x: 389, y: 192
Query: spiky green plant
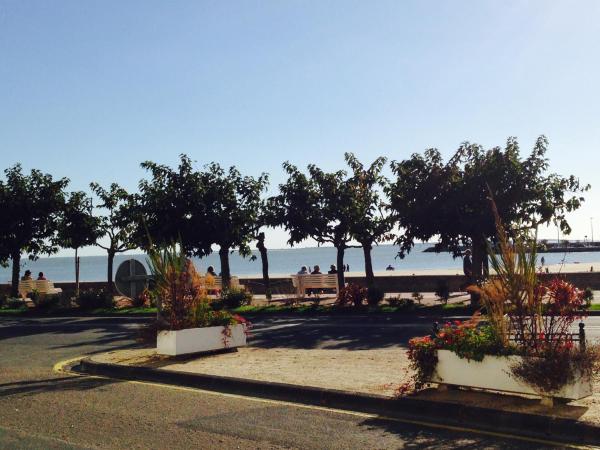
x: 177, y: 286
x: 514, y: 289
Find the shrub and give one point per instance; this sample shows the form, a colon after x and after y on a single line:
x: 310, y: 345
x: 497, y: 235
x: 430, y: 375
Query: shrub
x: 401, y: 303
x: 143, y: 299
x: 417, y: 297
x: 3, y: 299
x: 442, y: 291
x: 234, y: 298
x: 352, y: 294
x: 551, y: 370
x: 47, y: 301
x: 422, y: 355
x: 15, y: 303
x: 44, y: 301
x: 203, y: 315
x: 375, y: 295
x: 94, y: 299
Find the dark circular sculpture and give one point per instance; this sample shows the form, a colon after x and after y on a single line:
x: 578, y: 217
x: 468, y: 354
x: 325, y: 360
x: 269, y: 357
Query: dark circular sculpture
x: 131, y: 278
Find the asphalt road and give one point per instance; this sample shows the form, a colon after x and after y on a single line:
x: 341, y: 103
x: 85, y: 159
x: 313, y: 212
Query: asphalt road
x: 43, y: 409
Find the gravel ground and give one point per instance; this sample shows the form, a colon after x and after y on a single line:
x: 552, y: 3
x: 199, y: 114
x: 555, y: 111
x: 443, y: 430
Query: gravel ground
x: 377, y: 371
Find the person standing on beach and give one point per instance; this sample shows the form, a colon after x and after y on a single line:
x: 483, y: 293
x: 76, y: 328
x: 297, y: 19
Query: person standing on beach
x: 543, y: 261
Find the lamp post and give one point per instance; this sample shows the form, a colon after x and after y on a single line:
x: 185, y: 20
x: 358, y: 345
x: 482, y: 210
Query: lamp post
x: 592, y: 228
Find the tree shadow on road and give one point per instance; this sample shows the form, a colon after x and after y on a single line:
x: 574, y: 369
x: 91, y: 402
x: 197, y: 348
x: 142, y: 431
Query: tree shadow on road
x: 95, y: 332
x: 71, y: 383
x: 338, y: 337
x: 422, y: 437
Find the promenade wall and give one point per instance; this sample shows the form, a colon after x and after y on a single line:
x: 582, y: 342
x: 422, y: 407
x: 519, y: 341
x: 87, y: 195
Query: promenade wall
x: 389, y: 283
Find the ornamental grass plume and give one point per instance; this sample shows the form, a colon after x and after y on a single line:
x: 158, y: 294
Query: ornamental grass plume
x: 513, y: 292
x: 177, y: 286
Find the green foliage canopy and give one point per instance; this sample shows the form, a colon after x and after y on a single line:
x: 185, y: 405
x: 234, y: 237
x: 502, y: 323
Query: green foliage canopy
x: 451, y: 201
x: 31, y: 206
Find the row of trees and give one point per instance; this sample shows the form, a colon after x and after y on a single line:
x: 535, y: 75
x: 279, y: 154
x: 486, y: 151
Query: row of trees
x: 426, y: 199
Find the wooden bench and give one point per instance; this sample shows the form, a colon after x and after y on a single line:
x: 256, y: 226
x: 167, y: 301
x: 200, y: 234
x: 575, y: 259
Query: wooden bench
x: 44, y: 287
x: 314, y: 281
x: 25, y: 287
x: 216, y: 283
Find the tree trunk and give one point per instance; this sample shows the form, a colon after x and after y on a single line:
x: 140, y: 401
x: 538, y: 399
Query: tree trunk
x: 225, y: 273
x: 265, y: 264
x: 110, y: 285
x: 16, y: 272
x: 76, y: 274
x: 368, y: 264
x: 340, y: 264
x: 479, y: 253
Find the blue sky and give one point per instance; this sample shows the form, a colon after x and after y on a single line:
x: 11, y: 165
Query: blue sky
x: 90, y: 89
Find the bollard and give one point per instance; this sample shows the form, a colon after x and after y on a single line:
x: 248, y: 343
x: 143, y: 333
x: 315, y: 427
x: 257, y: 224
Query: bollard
x: 581, y: 336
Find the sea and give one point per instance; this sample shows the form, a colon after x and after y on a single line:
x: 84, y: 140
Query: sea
x: 282, y: 262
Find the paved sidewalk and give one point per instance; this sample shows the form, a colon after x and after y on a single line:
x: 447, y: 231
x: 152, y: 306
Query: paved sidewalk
x: 376, y: 371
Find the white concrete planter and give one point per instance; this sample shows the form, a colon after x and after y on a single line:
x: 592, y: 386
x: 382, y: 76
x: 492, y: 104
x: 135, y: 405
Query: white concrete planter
x: 494, y: 373
x: 195, y: 340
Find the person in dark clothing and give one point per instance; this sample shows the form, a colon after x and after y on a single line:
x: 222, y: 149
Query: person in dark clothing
x: 316, y: 271
x: 468, y: 264
x: 467, y: 270
x: 332, y: 269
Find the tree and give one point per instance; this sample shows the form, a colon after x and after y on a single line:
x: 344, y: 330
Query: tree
x: 117, y: 225
x: 31, y: 207
x: 369, y: 222
x: 173, y: 208
x: 235, y: 206
x: 452, y: 200
x: 319, y: 206
x: 201, y: 208
x: 78, y: 227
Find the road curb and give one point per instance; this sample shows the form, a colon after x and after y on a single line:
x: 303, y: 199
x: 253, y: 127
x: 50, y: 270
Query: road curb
x: 405, y: 408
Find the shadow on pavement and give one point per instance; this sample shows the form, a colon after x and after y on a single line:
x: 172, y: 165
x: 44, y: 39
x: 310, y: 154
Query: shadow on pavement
x: 420, y: 437
x: 93, y: 332
x: 337, y: 336
x: 31, y: 387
